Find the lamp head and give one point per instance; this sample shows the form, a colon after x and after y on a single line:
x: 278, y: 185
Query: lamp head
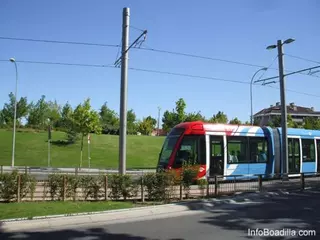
x: 289, y: 40
x: 271, y: 47
x: 12, y: 60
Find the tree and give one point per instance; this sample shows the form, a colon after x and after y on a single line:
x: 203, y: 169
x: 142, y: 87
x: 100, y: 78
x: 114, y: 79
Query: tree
x: 190, y: 117
x: 152, y: 120
x: 66, y: 117
x: 131, y: 122
x: 2, y: 120
x: 39, y: 113
x: 54, y: 113
x: 146, y: 126
x: 235, y: 121
x: 311, y: 123
x: 168, y: 120
x: 85, y: 121
x: 8, y: 110
x: 276, y: 122
x: 180, y: 110
x: 109, y: 120
x: 176, y: 116
x: 220, y: 117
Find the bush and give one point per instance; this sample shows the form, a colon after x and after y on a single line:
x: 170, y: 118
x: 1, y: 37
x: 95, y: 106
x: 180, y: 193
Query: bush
x: 202, y: 183
x: 189, y: 173
x: 159, y: 185
x: 9, y: 186
x: 122, y: 186
x: 91, y: 186
x: 55, y: 183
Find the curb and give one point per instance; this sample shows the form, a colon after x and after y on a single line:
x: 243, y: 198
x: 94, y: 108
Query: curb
x: 217, y: 201
x: 138, y: 213
x: 123, y: 210
x: 106, y: 217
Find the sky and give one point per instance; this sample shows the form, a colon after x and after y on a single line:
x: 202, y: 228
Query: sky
x: 234, y: 30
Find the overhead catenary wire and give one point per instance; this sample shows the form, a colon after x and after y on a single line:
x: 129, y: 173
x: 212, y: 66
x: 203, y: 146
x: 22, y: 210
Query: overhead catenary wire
x: 153, y: 71
x: 301, y: 58
x: 60, y: 42
x: 151, y: 49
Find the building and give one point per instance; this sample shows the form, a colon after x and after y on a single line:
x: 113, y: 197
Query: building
x: 297, y: 113
x: 160, y: 131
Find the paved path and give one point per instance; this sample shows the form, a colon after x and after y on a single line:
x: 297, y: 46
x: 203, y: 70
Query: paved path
x: 293, y: 212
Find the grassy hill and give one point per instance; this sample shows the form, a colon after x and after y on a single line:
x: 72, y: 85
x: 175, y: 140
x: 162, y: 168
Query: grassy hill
x: 32, y: 150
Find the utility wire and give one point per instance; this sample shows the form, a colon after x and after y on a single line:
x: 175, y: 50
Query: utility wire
x: 308, y: 60
x: 153, y: 71
x: 62, y: 42
x: 151, y: 49
x: 264, y: 72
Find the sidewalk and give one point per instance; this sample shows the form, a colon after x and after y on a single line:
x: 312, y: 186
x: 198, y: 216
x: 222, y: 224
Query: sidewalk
x: 140, y: 213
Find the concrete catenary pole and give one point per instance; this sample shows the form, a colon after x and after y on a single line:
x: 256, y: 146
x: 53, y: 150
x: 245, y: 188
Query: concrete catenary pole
x: 124, y: 91
x: 283, y: 108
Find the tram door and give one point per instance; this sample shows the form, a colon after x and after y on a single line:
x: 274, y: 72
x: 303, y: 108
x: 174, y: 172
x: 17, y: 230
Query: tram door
x: 294, y: 155
x: 216, y: 155
x: 318, y: 153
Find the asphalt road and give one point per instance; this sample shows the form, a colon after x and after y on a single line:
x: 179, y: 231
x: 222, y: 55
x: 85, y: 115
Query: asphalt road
x: 289, y: 213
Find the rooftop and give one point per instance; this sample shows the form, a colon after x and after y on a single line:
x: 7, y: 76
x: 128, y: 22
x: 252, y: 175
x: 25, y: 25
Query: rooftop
x: 292, y: 109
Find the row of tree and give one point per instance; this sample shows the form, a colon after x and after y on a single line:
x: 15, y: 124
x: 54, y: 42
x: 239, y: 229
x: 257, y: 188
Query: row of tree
x: 83, y: 119
x: 41, y: 114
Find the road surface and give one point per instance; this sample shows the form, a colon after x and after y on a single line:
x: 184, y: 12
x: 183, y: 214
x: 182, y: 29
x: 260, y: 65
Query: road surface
x: 289, y: 213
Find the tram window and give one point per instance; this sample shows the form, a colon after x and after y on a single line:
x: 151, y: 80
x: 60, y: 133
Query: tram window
x: 216, y: 149
x: 258, y: 149
x: 237, y: 149
x: 192, y: 150
x: 308, y: 150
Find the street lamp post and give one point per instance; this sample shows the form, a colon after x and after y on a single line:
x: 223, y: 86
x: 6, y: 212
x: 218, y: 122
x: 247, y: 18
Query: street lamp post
x: 262, y: 69
x: 15, y: 114
x: 284, y: 153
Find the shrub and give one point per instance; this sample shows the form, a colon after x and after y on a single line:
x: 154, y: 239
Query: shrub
x: 157, y: 185
x: 9, y: 186
x: 122, y: 186
x: 55, y: 183
x: 189, y: 173
x: 91, y: 186
x: 202, y: 183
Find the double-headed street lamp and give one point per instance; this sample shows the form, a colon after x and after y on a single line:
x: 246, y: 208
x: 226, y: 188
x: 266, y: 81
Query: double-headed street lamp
x: 283, y: 101
x: 262, y: 69
x: 15, y: 114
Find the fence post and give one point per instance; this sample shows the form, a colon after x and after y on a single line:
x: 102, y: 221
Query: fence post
x: 106, y: 188
x: 26, y: 170
x: 260, y: 182
x: 1, y: 169
x: 208, y: 185
x: 216, y: 185
x: 235, y: 183
x: 142, y: 190
x: 302, y: 181
x: 19, y: 188
x: 76, y: 171
x: 180, y: 187
x: 64, y: 188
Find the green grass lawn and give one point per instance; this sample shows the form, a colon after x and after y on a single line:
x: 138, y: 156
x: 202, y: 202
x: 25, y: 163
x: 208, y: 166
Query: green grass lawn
x: 34, y: 209
x: 32, y: 150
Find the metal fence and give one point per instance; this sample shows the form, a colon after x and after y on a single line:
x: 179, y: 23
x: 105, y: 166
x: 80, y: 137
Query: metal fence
x: 215, y: 186
x: 223, y: 185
